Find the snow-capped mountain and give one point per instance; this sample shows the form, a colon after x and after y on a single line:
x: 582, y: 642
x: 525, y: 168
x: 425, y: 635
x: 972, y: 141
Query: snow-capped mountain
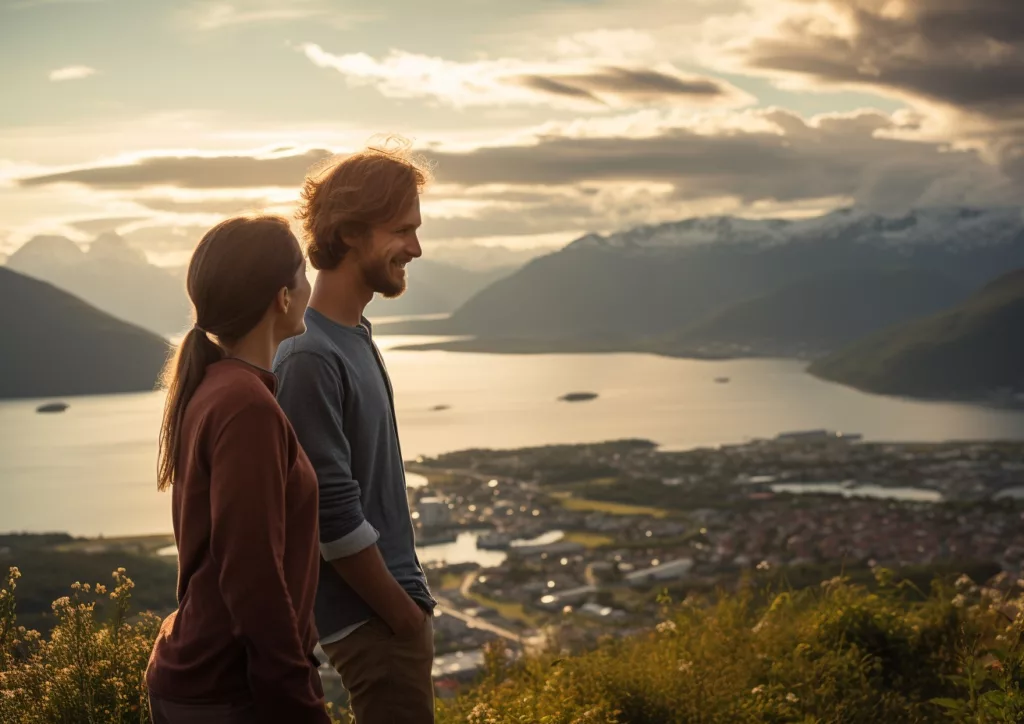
x: 940, y: 227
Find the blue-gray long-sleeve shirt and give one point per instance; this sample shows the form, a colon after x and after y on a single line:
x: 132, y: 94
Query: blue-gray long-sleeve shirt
x: 335, y: 390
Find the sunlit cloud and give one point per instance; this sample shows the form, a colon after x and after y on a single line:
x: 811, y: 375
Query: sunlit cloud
x: 210, y: 16
x: 72, y: 72
x: 567, y: 83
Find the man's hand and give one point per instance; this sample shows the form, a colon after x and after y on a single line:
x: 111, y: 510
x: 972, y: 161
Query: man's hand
x: 409, y: 621
x: 368, y: 576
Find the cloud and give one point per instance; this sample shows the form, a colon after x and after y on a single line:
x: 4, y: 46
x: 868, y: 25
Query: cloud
x: 571, y: 83
x: 72, y: 72
x: 960, y: 61
x: 221, y: 15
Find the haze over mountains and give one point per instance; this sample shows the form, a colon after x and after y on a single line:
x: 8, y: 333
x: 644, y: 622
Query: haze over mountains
x: 648, y: 286
x: 56, y: 344
x: 436, y: 288
x: 110, y: 275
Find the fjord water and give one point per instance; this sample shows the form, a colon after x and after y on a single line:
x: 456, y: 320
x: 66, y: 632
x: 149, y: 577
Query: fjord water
x: 90, y: 470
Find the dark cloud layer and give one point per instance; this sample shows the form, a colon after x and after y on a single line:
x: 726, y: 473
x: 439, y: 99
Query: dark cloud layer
x: 838, y: 156
x: 636, y: 84
x: 196, y: 172
x: 965, y: 53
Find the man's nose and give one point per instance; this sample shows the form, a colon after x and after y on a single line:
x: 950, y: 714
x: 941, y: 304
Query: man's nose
x: 414, y: 249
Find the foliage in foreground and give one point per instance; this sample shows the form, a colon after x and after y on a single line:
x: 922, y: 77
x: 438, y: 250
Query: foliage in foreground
x: 837, y: 653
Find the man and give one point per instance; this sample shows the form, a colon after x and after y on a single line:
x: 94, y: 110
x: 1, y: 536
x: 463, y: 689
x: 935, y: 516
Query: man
x: 373, y: 608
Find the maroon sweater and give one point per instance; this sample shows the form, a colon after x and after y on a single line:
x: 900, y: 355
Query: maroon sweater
x: 245, y: 523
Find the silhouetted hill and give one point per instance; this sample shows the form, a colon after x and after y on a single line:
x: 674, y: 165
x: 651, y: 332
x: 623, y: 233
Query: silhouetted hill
x: 435, y: 288
x: 111, y: 275
x: 972, y: 351
x: 815, y: 316
x: 57, y: 345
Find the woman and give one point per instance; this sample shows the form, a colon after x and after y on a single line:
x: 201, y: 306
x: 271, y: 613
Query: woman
x: 240, y: 646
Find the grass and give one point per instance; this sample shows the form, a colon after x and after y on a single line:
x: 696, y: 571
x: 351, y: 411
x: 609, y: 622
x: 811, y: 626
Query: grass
x: 590, y: 540
x: 601, y: 506
x: 509, y: 610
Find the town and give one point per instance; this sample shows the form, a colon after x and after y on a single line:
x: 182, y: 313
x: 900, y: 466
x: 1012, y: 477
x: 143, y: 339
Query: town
x: 561, y: 545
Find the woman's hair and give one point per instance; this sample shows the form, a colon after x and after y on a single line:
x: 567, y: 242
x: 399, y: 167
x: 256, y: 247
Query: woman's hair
x: 345, y: 199
x: 235, y: 272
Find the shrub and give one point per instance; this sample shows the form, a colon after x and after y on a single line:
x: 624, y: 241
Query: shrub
x: 87, y: 671
x: 837, y: 653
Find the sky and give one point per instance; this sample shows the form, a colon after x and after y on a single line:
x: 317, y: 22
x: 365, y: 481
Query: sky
x: 542, y: 119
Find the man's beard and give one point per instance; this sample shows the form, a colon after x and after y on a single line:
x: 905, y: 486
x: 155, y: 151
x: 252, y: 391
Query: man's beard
x: 381, y: 278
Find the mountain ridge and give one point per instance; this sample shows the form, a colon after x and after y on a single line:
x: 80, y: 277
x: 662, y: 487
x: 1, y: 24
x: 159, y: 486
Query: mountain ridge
x: 56, y: 344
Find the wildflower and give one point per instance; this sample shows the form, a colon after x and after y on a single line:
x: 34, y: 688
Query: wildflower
x: 792, y: 698
x: 667, y: 627
x: 764, y: 566
x: 963, y: 583
x: 100, y: 589
x: 685, y: 666
x: 76, y: 586
x: 757, y: 690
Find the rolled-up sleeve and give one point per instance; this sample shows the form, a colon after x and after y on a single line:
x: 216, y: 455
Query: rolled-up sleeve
x: 312, y: 395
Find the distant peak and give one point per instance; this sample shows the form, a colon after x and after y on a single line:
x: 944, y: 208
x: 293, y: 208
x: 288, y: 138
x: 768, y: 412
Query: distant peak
x: 50, y: 249
x: 112, y: 246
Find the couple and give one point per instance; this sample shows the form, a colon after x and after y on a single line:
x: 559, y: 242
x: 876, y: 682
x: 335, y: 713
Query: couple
x: 288, y: 486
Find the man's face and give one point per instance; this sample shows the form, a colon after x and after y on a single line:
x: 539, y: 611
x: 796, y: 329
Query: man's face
x: 391, y: 246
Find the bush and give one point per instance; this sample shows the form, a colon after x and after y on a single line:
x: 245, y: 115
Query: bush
x: 87, y: 671
x: 837, y: 653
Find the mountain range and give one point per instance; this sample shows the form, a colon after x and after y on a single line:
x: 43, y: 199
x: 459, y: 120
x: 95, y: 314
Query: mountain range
x: 708, y: 282
x: 56, y: 344
x: 110, y: 275
x: 973, y: 350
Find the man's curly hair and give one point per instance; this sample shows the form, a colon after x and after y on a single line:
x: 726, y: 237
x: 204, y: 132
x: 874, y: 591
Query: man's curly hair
x: 344, y: 198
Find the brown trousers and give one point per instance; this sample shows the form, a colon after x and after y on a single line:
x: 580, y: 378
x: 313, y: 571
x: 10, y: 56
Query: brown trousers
x: 168, y: 712
x: 388, y: 679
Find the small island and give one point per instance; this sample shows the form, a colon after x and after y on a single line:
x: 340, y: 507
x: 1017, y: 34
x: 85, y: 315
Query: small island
x: 52, y: 407
x: 578, y: 396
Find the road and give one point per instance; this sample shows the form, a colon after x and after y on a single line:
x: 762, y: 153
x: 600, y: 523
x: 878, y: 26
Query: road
x: 449, y: 609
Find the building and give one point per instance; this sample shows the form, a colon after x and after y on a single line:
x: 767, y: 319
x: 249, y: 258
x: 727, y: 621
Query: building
x: 432, y: 512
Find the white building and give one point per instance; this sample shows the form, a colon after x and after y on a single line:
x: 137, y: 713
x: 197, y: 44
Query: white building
x: 432, y: 512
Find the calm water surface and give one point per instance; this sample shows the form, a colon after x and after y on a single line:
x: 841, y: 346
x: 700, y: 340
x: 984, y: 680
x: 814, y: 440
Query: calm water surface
x: 90, y: 470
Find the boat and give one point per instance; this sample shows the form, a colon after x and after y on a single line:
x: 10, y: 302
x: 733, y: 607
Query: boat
x: 52, y: 407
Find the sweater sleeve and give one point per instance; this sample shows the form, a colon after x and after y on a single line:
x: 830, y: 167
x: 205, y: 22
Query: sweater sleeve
x: 248, y: 476
x: 312, y: 396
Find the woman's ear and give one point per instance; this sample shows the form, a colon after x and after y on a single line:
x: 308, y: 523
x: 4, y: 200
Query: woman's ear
x: 283, y: 300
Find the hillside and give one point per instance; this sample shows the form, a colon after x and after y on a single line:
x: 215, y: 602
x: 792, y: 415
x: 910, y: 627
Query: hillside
x: 55, y: 345
x: 112, y: 276
x: 971, y: 351
x: 627, y: 288
x: 815, y: 316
